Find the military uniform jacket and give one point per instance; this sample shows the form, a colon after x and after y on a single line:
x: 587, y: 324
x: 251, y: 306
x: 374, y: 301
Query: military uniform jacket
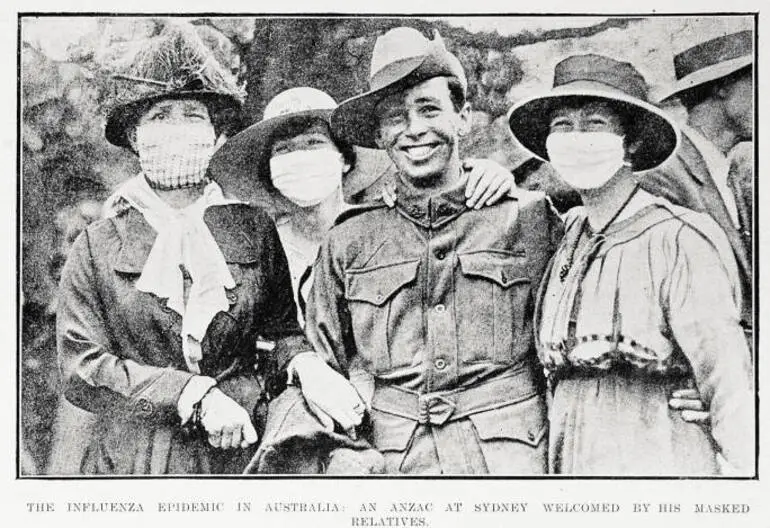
x: 436, y: 302
x: 121, y: 352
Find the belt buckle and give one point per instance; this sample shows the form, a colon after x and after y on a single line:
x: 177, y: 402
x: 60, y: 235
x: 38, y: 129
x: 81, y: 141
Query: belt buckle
x: 434, y: 408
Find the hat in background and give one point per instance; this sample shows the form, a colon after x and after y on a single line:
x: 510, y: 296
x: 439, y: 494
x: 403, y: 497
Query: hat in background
x: 711, y: 60
x: 175, y: 64
x: 402, y: 58
x: 597, y: 78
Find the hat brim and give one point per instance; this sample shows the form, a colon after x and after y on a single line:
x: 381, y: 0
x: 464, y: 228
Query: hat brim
x: 706, y: 75
x: 657, y: 134
x: 354, y: 120
x: 123, y: 117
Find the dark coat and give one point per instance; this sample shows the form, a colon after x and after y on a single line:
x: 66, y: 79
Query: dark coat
x: 121, y: 352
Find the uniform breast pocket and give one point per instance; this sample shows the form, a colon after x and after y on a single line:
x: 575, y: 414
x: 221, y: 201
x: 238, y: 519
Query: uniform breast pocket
x: 375, y: 300
x: 495, y: 297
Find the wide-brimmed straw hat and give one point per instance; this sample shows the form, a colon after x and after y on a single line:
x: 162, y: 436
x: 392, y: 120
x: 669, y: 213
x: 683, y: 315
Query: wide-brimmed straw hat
x: 592, y: 77
x: 401, y: 58
x: 711, y: 60
x: 176, y: 64
x: 241, y: 165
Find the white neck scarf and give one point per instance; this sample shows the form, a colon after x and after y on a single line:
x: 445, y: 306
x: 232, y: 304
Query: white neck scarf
x: 183, y: 239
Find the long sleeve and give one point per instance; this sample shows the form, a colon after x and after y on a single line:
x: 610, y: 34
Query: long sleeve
x: 704, y: 316
x: 328, y: 325
x: 97, y: 377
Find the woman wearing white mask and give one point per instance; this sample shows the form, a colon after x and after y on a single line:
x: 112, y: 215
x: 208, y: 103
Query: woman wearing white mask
x: 162, y: 302
x: 289, y: 163
x: 642, y: 297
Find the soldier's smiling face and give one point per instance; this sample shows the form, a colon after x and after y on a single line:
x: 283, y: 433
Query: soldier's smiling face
x: 419, y: 128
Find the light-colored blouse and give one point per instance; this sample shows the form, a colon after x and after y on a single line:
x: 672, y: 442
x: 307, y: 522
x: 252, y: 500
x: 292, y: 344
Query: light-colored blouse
x: 656, y: 294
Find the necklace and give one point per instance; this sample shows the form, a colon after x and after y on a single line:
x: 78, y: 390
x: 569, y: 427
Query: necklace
x: 565, y: 268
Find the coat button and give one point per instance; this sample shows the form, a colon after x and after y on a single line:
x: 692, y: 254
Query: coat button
x: 440, y: 308
x: 232, y: 296
x: 440, y: 364
x: 440, y: 254
x: 144, y: 407
x: 379, y: 297
x: 531, y: 436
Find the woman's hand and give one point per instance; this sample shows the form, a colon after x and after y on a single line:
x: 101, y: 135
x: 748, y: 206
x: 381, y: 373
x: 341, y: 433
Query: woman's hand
x: 330, y: 396
x: 691, y: 408
x: 488, y: 182
x: 227, y: 423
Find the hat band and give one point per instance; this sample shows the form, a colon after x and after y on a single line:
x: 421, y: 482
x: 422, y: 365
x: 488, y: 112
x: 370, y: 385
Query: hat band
x: 394, y: 71
x: 712, y: 53
x: 594, y: 86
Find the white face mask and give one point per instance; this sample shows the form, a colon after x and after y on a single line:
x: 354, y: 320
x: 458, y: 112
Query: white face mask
x: 307, y: 177
x: 585, y: 160
x: 173, y: 155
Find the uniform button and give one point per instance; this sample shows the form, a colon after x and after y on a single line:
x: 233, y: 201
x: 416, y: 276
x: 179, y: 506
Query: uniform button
x: 440, y: 364
x: 440, y: 308
x: 378, y: 297
x: 440, y: 254
x: 144, y: 407
x: 531, y: 436
x: 231, y: 297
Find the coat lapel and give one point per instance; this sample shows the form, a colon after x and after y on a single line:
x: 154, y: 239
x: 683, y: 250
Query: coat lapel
x: 232, y: 226
x: 712, y: 201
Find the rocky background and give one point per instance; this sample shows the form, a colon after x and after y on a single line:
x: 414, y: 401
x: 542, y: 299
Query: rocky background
x: 68, y: 168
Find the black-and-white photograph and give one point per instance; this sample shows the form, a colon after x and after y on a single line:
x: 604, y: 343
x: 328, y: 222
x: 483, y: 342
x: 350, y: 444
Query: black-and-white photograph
x: 367, y: 246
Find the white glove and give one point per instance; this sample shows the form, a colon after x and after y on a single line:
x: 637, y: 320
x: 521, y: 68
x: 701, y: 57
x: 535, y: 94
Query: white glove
x: 227, y: 423
x: 330, y: 396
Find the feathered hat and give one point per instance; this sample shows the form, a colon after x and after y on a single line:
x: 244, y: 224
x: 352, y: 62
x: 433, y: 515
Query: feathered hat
x: 175, y: 64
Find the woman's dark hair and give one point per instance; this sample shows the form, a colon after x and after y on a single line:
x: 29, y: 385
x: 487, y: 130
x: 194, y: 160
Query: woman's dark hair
x: 625, y: 112
x: 300, y: 126
x: 225, y: 120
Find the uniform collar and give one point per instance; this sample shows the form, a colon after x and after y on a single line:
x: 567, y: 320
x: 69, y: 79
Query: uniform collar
x: 232, y: 226
x: 430, y: 208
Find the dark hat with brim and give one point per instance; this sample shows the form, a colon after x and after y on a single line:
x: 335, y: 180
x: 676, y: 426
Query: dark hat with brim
x: 585, y: 78
x: 121, y: 119
x: 176, y: 64
x: 710, y: 61
x: 401, y: 58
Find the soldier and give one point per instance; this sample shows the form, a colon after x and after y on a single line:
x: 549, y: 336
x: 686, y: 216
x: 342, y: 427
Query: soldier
x: 432, y: 298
